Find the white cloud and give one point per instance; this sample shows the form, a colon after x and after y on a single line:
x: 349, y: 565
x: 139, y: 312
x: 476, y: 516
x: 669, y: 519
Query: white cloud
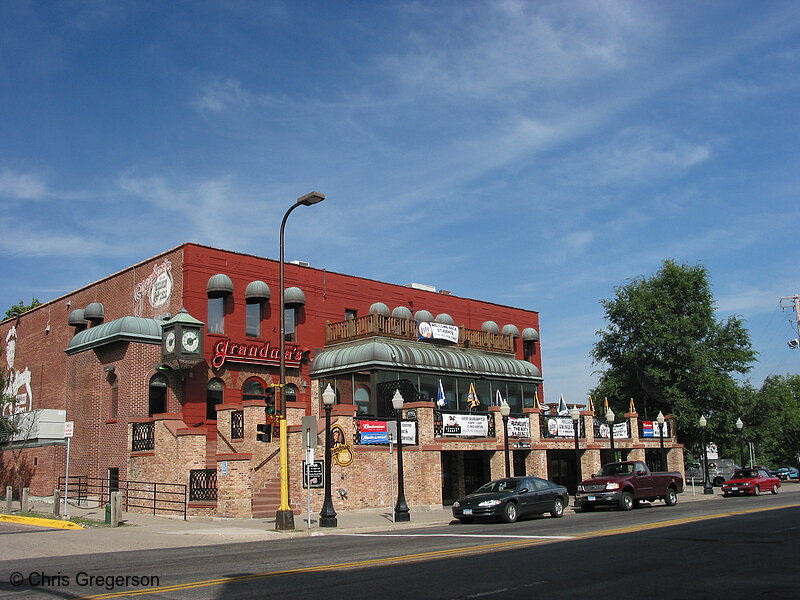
x: 21, y: 186
x: 25, y: 239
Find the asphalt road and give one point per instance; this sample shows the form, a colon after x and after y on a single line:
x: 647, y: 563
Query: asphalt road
x: 733, y: 548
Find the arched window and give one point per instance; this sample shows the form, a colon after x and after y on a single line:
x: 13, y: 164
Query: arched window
x: 361, y: 400
x: 113, y: 388
x: 254, y: 389
x: 157, y: 397
x: 214, y: 395
x: 290, y: 392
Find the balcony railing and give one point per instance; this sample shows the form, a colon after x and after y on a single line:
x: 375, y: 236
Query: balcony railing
x: 406, y: 329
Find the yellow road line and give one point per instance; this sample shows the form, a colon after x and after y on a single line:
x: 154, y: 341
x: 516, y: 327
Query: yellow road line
x: 39, y: 522
x: 449, y: 553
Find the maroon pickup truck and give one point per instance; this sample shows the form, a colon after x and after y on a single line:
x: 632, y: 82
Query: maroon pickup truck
x: 624, y: 484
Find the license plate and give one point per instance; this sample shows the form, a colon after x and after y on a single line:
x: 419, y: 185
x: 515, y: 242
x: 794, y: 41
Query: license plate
x: 467, y: 511
x: 734, y: 489
x: 590, y: 498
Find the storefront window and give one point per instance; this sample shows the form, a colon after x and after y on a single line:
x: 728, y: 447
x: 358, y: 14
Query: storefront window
x: 290, y: 324
x: 290, y: 392
x: 361, y: 400
x: 514, y: 396
x: 528, y: 392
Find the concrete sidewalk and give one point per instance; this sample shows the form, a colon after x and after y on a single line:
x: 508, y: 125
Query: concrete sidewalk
x: 143, y: 532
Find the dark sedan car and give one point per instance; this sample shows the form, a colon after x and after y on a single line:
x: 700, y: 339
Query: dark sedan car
x: 511, y: 498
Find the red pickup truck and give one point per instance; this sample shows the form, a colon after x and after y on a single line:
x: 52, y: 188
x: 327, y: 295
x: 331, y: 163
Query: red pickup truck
x: 624, y: 484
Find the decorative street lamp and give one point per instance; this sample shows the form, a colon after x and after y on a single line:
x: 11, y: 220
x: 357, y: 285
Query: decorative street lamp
x: 284, y: 517
x: 327, y: 516
x: 505, y: 410
x: 707, y: 488
x: 401, y: 513
x: 610, y: 416
x: 576, y: 415
x: 740, y: 427
x: 660, y: 419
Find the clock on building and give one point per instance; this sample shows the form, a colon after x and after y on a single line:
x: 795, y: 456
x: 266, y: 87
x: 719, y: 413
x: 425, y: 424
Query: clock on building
x: 182, y: 347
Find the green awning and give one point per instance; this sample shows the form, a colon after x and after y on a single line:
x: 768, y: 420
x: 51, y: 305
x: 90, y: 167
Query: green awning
x: 420, y: 356
x: 129, y: 329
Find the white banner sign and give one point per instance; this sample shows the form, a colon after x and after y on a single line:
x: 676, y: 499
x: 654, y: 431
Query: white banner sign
x: 519, y: 427
x: 428, y: 330
x: 560, y: 427
x: 620, y: 430
x: 465, y: 425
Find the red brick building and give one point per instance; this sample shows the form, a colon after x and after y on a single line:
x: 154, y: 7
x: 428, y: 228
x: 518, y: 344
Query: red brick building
x: 156, y: 392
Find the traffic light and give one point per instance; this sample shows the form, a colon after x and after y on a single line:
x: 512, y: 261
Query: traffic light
x: 264, y: 432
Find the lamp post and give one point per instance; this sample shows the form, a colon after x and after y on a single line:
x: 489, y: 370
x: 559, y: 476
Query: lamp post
x: 740, y: 427
x: 610, y: 416
x: 660, y: 419
x: 505, y: 410
x: 401, y: 513
x: 707, y: 488
x: 284, y: 517
x: 327, y: 516
x: 576, y: 415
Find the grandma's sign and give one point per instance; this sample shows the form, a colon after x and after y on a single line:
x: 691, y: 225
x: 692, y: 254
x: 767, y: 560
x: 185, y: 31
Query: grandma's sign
x: 253, y: 353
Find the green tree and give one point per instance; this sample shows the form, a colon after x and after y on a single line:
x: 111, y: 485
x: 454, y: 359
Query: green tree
x: 665, y: 349
x: 20, y: 307
x: 771, y: 417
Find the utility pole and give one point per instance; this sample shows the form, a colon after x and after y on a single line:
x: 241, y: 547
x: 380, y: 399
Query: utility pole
x: 793, y: 302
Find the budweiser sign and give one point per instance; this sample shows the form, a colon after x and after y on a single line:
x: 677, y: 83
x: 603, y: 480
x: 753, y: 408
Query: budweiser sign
x: 257, y: 354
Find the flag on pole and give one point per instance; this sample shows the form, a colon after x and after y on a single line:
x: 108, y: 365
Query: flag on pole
x: 562, y: 407
x: 472, y: 397
x: 536, y: 403
x: 498, y: 399
x: 605, y: 405
x: 440, y: 399
x: 632, y: 408
x: 590, y: 404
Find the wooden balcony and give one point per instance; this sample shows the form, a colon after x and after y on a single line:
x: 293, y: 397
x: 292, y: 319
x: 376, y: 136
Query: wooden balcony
x: 406, y: 329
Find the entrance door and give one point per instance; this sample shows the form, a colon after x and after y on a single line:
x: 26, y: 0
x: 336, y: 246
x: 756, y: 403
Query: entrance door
x: 561, y: 469
x: 476, y: 470
x: 519, y: 462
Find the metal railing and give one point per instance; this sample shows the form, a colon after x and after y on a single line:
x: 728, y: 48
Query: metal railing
x: 150, y: 495
x: 406, y: 329
x: 143, y: 436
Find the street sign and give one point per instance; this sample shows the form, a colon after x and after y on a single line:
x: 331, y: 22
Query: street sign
x: 309, y: 426
x: 69, y: 428
x: 391, y: 430
x: 313, y: 474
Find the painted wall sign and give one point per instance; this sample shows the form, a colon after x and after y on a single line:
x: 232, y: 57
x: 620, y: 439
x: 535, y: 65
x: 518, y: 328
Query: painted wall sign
x: 157, y: 288
x: 465, y: 425
x: 428, y: 330
x: 256, y: 354
x: 18, y: 384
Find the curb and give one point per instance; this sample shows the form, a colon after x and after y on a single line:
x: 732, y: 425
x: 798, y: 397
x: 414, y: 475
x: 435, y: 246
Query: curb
x: 52, y: 523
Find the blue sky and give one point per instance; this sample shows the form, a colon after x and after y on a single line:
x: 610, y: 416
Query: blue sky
x: 532, y: 154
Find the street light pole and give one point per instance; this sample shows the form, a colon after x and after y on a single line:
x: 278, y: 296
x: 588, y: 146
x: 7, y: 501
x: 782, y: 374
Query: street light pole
x: 610, y: 416
x: 327, y: 516
x: 401, y: 512
x: 660, y: 419
x: 576, y: 415
x: 284, y: 517
x: 740, y: 427
x: 505, y: 410
x: 707, y: 488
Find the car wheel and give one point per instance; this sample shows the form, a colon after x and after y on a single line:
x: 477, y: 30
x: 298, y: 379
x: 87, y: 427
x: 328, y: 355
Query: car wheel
x: 558, y: 508
x: 775, y: 488
x: 626, y: 501
x: 757, y: 491
x: 718, y: 481
x: 671, y: 499
x: 510, y: 512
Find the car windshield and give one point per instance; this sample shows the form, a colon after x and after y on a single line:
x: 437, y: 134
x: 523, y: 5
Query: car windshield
x: 745, y: 473
x: 616, y: 469
x: 501, y: 485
